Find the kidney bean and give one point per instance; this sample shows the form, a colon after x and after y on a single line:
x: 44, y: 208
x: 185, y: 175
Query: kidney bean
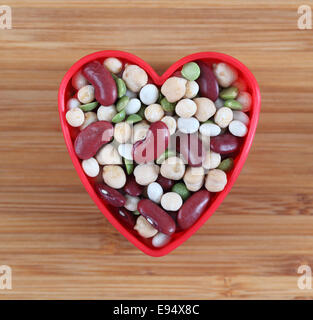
x: 155, y: 143
x: 165, y: 183
x: 192, y: 209
x: 109, y: 195
x: 225, y: 144
x: 103, y: 82
x: 126, y: 217
x: 90, y: 139
x: 157, y: 216
x: 132, y: 187
x: 207, y: 82
x: 191, y: 148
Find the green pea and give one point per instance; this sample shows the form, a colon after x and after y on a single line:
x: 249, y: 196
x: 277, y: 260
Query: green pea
x: 233, y: 104
x: 119, y: 117
x: 89, y: 106
x: 167, y: 106
x: 226, y: 165
x: 121, y: 87
x: 165, y: 155
x: 122, y: 103
x: 141, y: 112
x: 160, y: 98
x: 182, y: 190
x: 129, y: 165
x: 115, y: 77
x: 190, y: 71
x: 229, y: 93
x: 136, y: 213
x: 133, y: 118
x: 209, y: 121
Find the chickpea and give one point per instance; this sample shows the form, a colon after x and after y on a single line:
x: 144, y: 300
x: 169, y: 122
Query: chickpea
x: 140, y: 131
x: 193, y: 178
x: 131, y: 202
x: 174, y: 88
x: 216, y: 180
x: 146, y: 173
x: 134, y: 77
x: 224, y: 74
x: 145, y: 228
x: 173, y: 168
x: 205, y: 109
x: 192, y: 89
x: 114, y: 65
x: 90, y: 117
x: 75, y: 117
x: 154, y: 112
x: 122, y: 132
x: 171, y: 201
x: 114, y: 176
x: 106, y: 113
x: 108, y: 155
x: 212, y: 160
x: 223, y: 117
x: 171, y: 123
x: 186, y: 108
x: 86, y: 94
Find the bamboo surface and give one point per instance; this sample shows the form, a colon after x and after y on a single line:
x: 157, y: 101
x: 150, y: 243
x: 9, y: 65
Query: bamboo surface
x: 56, y: 241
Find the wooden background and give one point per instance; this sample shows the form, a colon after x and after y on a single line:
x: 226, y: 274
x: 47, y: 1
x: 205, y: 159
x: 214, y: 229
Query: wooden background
x: 53, y: 236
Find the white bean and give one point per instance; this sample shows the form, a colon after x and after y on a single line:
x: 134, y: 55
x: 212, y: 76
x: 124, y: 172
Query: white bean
x: 212, y: 160
x: 241, y: 116
x: 205, y: 109
x: 173, y: 168
x: 86, y: 94
x: 133, y: 106
x: 188, y: 125
x: 149, y: 94
x: 223, y: 117
x: 108, y: 155
x: 131, y: 94
x: 237, y: 128
x: 174, y: 88
x: 219, y: 103
x: 171, y: 201
x: 134, y: 77
x: 210, y: 129
x: 90, y: 117
x: 106, y: 113
x: 114, y: 176
x: 171, y: 123
x: 145, y: 228
x: 216, y: 180
x: 154, y: 112
x: 193, y: 178
x: 114, y: 65
x: 122, y: 132
x: 225, y: 74
x: 91, y: 167
x: 140, y: 131
x: 192, y: 89
x: 160, y: 240
x: 75, y: 117
x: 131, y: 202
x: 79, y: 81
x: 72, y: 103
x: 126, y: 151
x: 245, y: 100
x: 186, y: 108
x: 146, y: 173
x: 155, y: 192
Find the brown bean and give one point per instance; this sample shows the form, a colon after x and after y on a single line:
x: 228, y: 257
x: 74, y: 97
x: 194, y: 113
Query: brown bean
x: 109, y: 195
x: 165, y: 183
x: 192, y: 209
x: 92, y: 138
x: 225, y: 144
x: 132, y: 187
x: 103, y: 82
x: 208, y: 85
x: 157, y: 216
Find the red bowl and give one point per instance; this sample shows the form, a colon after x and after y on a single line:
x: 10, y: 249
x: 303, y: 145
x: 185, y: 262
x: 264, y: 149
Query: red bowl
x: 66, y: 91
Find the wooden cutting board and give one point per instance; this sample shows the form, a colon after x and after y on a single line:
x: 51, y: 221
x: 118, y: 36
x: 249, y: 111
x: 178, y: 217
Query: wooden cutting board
x: 52, y: 235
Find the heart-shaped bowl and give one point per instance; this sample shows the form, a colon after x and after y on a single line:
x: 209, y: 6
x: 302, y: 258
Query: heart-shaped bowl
x: 66, y: 91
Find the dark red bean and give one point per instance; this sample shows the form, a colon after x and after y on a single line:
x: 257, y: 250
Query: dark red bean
x: 155, y: 143
x: 126, y: 217
x: 103, y: 82
x: 132, y: 187
x: 157, y: 216
x: 191, y: 148
x: 192, y: 209
x: 208, y: 85
x: 110, y: 195
x: 224, y: 144
x: 165, y: 183
x: 89, y: 140
x: 177, y: 74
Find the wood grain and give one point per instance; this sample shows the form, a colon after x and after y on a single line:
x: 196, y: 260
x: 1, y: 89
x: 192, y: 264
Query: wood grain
x: 53, y: 236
